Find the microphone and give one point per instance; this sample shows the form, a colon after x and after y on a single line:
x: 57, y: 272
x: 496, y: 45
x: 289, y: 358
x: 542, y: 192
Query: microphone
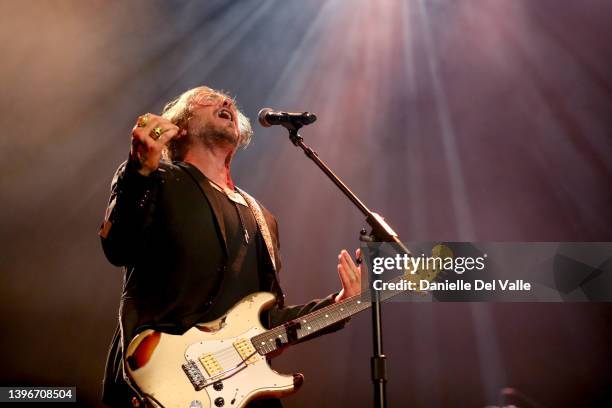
x: 290, y: 120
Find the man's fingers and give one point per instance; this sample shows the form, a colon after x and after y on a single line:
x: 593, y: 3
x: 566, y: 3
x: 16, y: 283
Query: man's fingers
x: 359, y: 263
x: 168, y: 134
x: 146, y: 122
x: 148, y: 130
x: 355, y: 271
x: 149, y: 135
x: 350, y: 275
x: 146, y: 134
x: 344, y: 278
x: 346, y: 267
x: 142, y: 140
x: 145, y: 119
x: 152, y: 121
x: 145, y: 131
x: 350, y: 267
x: 344, y: 271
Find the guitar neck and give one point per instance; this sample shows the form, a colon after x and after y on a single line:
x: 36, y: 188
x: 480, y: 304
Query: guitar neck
x: 311, y: 323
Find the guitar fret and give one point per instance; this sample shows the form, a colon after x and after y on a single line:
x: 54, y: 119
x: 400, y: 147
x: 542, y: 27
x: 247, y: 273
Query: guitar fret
x: 309, y: 324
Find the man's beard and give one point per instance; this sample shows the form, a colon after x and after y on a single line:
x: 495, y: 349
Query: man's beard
x: 214, y: 136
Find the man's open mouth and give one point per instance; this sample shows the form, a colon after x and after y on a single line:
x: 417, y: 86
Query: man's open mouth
x: 225, y: 114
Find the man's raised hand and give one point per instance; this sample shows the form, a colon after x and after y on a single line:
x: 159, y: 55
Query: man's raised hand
x: 350, y: 275
x: 149, y: 136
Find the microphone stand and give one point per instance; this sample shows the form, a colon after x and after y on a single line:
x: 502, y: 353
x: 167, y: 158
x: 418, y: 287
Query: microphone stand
x: 381, y: 232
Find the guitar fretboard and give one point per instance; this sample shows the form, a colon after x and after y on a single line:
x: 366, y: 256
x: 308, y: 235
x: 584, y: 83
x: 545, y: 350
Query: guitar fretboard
x: 313, y: 322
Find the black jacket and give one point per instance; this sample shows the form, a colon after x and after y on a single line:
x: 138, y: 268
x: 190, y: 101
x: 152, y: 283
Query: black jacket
x: 167, y: 231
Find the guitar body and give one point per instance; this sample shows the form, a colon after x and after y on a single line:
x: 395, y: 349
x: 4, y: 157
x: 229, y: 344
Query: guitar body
x: 212, y: 364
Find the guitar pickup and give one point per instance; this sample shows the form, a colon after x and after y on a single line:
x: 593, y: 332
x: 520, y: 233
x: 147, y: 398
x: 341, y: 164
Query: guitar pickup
x: 247, y: 352
x: 211, y: 365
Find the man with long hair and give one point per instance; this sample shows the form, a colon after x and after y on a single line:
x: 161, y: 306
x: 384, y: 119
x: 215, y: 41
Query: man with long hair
x: 192, y: 243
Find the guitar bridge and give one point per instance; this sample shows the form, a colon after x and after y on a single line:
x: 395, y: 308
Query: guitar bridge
x: 195, y: 376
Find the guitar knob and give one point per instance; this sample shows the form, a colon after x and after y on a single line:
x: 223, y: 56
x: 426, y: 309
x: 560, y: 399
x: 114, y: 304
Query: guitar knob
x: 218, y: 386
x: 219, y: 401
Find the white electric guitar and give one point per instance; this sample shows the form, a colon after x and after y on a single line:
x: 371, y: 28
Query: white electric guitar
x: 223, y: 363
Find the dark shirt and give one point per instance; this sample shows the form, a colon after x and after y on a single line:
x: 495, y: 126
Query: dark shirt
x: 241, y: 278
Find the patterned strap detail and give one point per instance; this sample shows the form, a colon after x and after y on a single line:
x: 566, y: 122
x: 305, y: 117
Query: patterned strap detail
x: 261, y: 223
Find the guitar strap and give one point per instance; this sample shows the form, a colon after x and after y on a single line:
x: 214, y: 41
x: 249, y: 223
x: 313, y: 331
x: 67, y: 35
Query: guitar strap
x: 261, y: 223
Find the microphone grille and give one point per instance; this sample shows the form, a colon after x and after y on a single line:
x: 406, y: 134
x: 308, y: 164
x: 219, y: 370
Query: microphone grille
x: 262, y: 117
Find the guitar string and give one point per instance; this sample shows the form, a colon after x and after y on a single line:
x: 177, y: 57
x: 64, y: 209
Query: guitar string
x: 228, y: 354
x: 316, y: 314
x: 273, y: 333
x: 349, y: 304
x: 231, y: 351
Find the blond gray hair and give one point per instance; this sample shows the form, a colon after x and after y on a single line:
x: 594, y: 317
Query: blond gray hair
x: 178, y: 111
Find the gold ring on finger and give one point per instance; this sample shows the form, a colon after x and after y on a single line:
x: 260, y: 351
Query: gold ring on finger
x: 156, y: 132
x: 142, y: 120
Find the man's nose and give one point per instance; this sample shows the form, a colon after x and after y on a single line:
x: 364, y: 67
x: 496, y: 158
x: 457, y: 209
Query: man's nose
x: 227, y: 102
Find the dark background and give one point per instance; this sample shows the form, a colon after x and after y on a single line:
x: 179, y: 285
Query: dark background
x: 457, y: 120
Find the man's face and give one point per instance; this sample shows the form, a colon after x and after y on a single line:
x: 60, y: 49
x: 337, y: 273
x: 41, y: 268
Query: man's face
x: 214, y: 119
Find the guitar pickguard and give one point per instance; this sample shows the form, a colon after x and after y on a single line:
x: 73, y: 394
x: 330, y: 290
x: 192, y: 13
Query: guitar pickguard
x: 211, y: 368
